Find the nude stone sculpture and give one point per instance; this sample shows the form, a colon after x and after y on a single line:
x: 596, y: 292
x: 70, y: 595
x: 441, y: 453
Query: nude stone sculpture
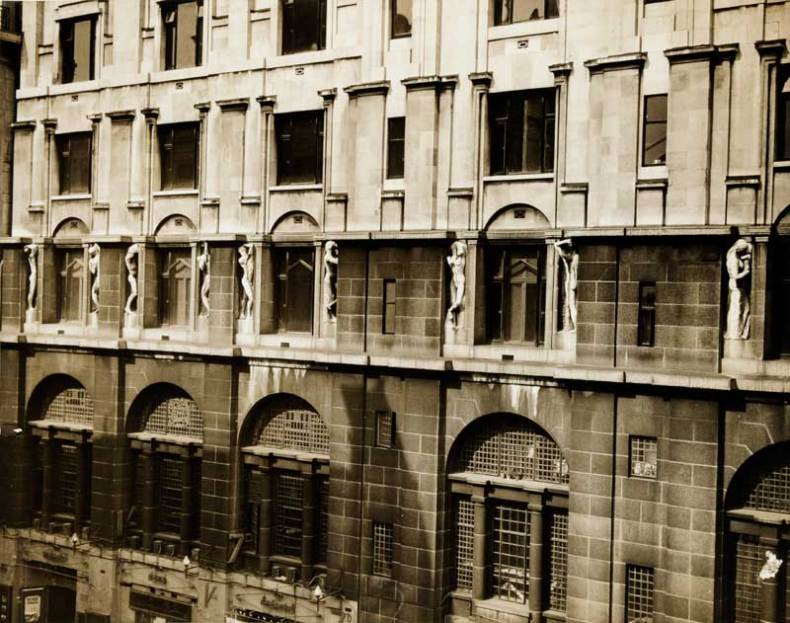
x: 131, y: 259
x: 331, y: 259
x: 739, y: 265
x: 204, y: 270
x: 94, y: 265
x: 32, y: 256
x: 246, y: 261
x: 457, y: 262
x: 570, y: 263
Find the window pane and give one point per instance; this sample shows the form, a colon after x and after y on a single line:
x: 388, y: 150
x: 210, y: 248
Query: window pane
x: 176, y: 281
x: 396, y: 129
x: 304, y: 25
x: 186, y: 34
x: 401, y: 18
x: 66, y: 474
x: 654, y: 150
x: 524, y: 10
x: 300, y: 146
x: 83, y: 50
x: 389, y: 304
x: 80, y: 164
x: 646, y: 328
x: 511, y: 553
x: 783, y: 119
x: 639, y: 598
x: 178, y: 151
x: 522, y: 131
x: 295, y: 278
x: 71, y: 270
x: 464, y: 544
x: 288, y: 515
x: 170, y: 490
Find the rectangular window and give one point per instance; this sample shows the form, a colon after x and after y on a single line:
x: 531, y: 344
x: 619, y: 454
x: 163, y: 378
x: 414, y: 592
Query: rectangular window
x: 654, y: 135
x: 521, y: 128
x: 77, y: 47
x: 639, y: 593
x: 300, y: 147
x: 783, y: 300
x: 171, y: 486
x: 558, y: 560
x: 396, y: 140
x: 175, y: 286
x: 644, y: 456
x: 382, y: 549
x: 646, y: 327
x: 295, y: 285
x: 183, y: 34
x: 304, y: 25
x: 74, y: 162
x: 510, y: 554
x: 400, y: 18
x: 323, y: 520
x: 783, y: 114
x: 389, y: 307
x: 70, y: 284
x: 67, y: 478
x: 516, y: 293
x: 288, y: 515
x: 512, y: 11
x: 385, y: 429
x: 179, y: 149
x: 464, y: 544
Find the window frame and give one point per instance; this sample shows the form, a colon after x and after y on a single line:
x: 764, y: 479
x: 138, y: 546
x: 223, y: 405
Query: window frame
x: 782, y: 132
x: 647, y: 122
x: 285, y: 132
x: 396, y: 148
x: 167, y: 258
x: 389, y: 306
x: 73, y: 165
x: 167, y: 134
x: 646, y: 315
x: 640, y: 445
x: 383, y: 549
x: 70, y: 305
x: 394, y: 6
x: 68, y: 45
x: 549, y: 6
x: 385, y: 429
x: 283, y: 268
x: 288, y: 38
x: 641, y: 614
x: 169, y: 21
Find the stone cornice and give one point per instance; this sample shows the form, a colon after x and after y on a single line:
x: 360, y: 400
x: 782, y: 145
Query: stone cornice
x: 420, y: 83
x: 239, y: 103
x: 380, y: 87
x: 772, y: 48
x: 632, y: 60
x: 481, y: 79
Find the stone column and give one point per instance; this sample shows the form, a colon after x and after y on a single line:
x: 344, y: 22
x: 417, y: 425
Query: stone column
x: 535, y: 562
x: 151, y: 115
x: 267, y: 104
x: 309, y: 527
x: 480, y: 542
x: 481, y: 83
x: 50, y: 173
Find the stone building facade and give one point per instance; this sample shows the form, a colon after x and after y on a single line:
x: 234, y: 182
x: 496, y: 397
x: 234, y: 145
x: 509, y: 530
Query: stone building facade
x: 408, y: 310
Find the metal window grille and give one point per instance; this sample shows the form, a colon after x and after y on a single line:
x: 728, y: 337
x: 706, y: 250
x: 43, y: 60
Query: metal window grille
x: 255, y: 493
x: 73, y: 406
x: 772, y: 493
x: 464, y: 543
x: 138, y: 492
x: 296, y: 429
x: 640, y: 582
x: 288, y: 515
x: 176, y: 416
x: 170, y: 491
x: 558, y: 561
x: 511, y: 553
x: 323, y: 519
x: 749, y: 560
x: 382, y: 549
x: 517, y: 451
x: 644, y: 457
x: 67, y: 470
x: 385, y: 429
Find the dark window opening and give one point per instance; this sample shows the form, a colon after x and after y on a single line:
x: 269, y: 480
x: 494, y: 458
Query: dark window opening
x: 654, y: 141
x: 783, y: 300
x: 183, y: 34
x: 179, y: 148
x: 295, y: 286
x: 175, y: 284
x: 639, y: 593
x: 389, y: 307
x: 383, y: 538
x: 646, y: 327
x: 304, y: 25
x: 77, y: 46
x: 522, y: 132
x: 783, y: 114
x: 516, y: 295
x: 396, y: 139
x: 385, y: 429
x: 70, y: 284
x: 300, y: 147
x: 400, y: 18
x: 513, y: 11
x: 74, y: 162
x: 643, y: 457
x: 288, y: 520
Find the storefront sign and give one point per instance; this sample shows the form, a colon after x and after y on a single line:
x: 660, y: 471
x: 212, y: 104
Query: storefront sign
x: 32, y: 608
x: 158, y: 607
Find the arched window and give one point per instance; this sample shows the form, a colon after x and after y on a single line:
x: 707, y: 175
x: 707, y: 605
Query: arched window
x: 286, y: 456
x: 508, y: 481
x: 758, y: 508
x: 60, y: 415
x: 166, y: 442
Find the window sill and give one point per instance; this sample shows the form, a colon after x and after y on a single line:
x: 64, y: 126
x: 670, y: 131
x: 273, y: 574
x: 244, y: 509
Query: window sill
x: 522, y: 29
x: 74, y: 87
x: 72, y: 197
x: 295, y: 188
x: 177, y: 192
x: 519, y: 177
x: 303, y: 57
x: 782, y: 165
x: 180, y: 73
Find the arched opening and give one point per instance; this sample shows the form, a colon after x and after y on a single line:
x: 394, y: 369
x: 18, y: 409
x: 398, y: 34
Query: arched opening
x: 758, y: 512
x: 285, y: 452
x: 60, y: 422
x: 165, y: 431
x: 508, y: 482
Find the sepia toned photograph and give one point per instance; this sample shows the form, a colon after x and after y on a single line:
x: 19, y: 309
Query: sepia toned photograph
x: 394, y: 311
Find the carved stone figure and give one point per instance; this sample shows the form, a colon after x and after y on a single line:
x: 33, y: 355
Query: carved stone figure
x: 457, y: 262
x: 247, y: 263
x: 771, y: 566
x: 131, y: 259
x: 739, y: 265
x: 94, y: 265
x: 570, y: 264
x: 331, y: 258
x: 204, y: 270
x: 31, y: 251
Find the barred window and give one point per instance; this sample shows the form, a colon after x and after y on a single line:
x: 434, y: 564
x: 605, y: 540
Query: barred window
x: 464, y: 543
x: 639, y: 594
x: 67, y: 475
x: 772, y: 492
x: 288, y: 515
x: 749, y: 559
x: 510, y: 578
x: 71, y: 406
x: 382, y: 549
x: 176, y: 416
x: 516, y: 451
x: 385, y: 429
x: 644, y: 456
x: 323, y: 520
x: 296, y: 429
x: 170, y: 487
x: 558, y: 561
